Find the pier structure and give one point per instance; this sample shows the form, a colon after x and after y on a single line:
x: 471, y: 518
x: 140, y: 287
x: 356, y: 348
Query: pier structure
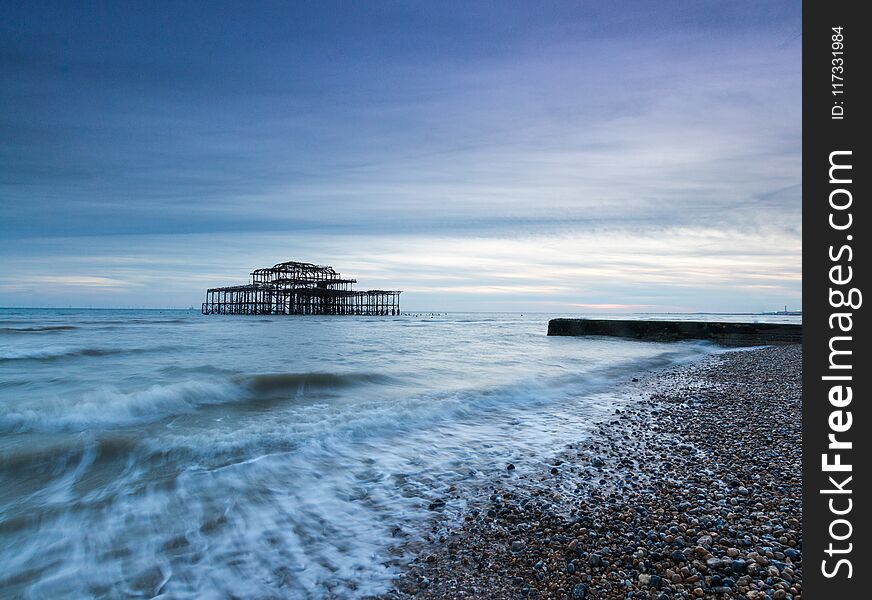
x: 299, y: 288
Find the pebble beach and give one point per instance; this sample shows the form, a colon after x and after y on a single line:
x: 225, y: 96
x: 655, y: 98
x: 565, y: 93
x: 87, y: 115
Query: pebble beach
x: 692, y: 489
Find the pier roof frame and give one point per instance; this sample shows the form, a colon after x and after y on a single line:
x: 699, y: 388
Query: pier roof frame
x: 240, y: 288
x: 294, y: 266
x: 305, y: 280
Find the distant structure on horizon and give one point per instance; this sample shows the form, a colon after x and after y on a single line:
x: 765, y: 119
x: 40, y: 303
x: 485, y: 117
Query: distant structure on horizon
x: 785, y: 312
x: 298, y: 288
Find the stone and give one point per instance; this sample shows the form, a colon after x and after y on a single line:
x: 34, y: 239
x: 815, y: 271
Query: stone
x: 670, y: 523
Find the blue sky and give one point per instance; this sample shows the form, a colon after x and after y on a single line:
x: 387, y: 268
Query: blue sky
x: 556, y: 156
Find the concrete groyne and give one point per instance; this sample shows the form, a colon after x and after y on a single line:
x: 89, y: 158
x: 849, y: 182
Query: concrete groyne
x: 728, y: 334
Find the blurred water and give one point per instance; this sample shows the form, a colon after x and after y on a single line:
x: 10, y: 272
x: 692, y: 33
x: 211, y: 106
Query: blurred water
x: 168, y: 454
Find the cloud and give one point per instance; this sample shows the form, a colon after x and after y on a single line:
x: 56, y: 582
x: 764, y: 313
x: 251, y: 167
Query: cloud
x: 576, y: 155
x: 603, y: 306
x: 670, y: 269
x: 54, y: 285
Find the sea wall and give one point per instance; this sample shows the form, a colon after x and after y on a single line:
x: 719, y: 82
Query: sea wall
x: 728, y: 334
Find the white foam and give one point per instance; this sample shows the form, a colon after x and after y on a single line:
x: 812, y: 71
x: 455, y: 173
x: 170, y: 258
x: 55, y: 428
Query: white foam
x: 108, y: 407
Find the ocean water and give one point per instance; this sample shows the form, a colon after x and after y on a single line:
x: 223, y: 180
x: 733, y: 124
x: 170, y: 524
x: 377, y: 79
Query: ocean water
x: 167, y: 454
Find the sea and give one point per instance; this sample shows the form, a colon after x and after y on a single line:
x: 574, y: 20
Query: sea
x: 167, y: 454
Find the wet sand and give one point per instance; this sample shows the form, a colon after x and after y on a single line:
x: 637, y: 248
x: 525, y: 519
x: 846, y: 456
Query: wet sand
x: 692, y: 490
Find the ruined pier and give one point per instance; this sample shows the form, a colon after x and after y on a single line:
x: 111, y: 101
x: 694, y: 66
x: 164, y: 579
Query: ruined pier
x: 299, y: 288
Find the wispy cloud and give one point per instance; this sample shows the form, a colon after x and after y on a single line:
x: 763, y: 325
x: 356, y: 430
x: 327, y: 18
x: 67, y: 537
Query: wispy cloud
x: 56, y: 285
x: 620, y: 307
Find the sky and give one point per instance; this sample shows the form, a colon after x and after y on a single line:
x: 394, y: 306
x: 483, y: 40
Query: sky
x: 506, y: 156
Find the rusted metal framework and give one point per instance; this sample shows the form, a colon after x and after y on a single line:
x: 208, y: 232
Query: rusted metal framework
x: 298, y: 288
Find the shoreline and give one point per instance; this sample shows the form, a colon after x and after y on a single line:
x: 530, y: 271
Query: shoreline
x: 691, y: 490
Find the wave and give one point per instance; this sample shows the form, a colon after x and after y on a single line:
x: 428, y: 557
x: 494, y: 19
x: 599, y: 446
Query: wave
x: 372, y: 416
x: 109, y: 408
x: 163, y: 321
x: 279, y: 382
x: 178, y: 371
x: 61, y: 451
x: 205, y: 385
x: 106, y: 408
x: 50, y: 353
x: 38, y: 329
x: 55, y: 353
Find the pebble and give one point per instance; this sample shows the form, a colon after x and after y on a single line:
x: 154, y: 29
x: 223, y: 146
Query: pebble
x: 701, y: 499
